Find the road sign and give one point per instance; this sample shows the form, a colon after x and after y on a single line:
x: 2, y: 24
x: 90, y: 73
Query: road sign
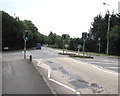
x: 79, y: 46
x: 66, y: 46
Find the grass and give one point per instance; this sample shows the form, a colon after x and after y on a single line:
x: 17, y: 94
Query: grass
x: 89, y: 53
x: 81, y: 56
x: 66, y: 53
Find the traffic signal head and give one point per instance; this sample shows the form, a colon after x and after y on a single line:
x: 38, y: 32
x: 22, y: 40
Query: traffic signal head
x: 64, y: 36
x: 84, y: 35
x: 26, y: 34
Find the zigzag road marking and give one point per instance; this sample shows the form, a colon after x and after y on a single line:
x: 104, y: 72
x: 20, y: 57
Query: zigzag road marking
x: 59, y: 83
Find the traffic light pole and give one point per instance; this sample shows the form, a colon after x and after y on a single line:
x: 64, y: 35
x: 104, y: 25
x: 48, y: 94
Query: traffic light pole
x: 63, y: 46
x: 83, y: 47
x: 78, y: 51
x: 24, y: 48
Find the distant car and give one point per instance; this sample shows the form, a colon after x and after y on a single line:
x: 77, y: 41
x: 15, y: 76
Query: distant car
x: 38, y: 46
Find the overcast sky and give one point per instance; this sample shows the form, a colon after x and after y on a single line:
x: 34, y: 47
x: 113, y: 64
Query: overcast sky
x: 59, y: 16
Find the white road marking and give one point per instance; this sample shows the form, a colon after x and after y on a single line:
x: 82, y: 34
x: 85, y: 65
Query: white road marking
x: 112, y: 67
x: 49, y: 71
x: 27, y: 53
x: 59, y: 83
x: 50, y: 52
x: 101, y: 69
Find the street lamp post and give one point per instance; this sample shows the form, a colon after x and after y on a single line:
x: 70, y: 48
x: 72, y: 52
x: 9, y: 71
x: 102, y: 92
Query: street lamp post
x: 108, y: 29
x: 108, y: 35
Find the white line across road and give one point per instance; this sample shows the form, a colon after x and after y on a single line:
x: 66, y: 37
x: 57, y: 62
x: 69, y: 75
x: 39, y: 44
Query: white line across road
x: 49, y: 52
x: 102, y: 69
x: 112, y: 67
x: 59, y: 83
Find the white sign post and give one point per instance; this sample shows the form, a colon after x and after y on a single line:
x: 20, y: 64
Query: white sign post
x: 79, y: 47
x: 66, y: 46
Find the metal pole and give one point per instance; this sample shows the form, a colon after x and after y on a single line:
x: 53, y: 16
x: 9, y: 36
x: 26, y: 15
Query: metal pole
x: 66, y: 50
x: 99, y: 49
x: 24, y: 48
x: 108, y: 34
x: 63, y: 46
x: 83, y: 47
x: 99, y: 44
x: 78, y: 51
x: 108, y: 30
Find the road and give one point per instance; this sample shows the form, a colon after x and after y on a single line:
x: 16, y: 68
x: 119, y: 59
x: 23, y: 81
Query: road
x: 19, y: 76
x: 62, y: 74
x: 110, y: 63
x: 77, y: 76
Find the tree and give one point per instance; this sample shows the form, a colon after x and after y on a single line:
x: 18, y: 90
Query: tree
x: 74, y: 42
x: 11, y: 32
x: 99, y: 30
x: 114, y: 40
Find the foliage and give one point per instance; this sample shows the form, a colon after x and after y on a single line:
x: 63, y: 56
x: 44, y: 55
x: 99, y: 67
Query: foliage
x: 13, y: 28
x: 114, y: 36
x: 12, y: 32
x: 99, y: 29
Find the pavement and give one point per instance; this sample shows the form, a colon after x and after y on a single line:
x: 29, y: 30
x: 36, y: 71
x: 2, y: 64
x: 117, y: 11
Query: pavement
x: 0, y: 73
x: 19, y: 76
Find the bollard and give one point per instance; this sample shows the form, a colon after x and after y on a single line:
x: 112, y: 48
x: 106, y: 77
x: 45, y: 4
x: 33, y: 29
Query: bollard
x: 31, y: 58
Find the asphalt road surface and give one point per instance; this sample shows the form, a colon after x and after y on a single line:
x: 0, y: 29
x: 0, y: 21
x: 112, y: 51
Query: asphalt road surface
x: 86, y: 76
x: 110, y: 63
x: 19, y: 76
x: 68, y: 74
